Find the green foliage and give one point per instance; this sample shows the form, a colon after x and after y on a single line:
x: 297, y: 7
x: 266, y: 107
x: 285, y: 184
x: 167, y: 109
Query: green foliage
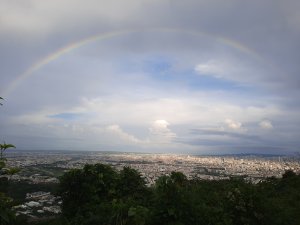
x: 130, y: 185
x: 97, y: 194
x: 6, y: 214
x: 281, y: 199
x: 138, y: 215
x: 171, y: 199
x: 3, y: 147
x: 2, y: 164
x: 289, y: 174
x: 4, y: 170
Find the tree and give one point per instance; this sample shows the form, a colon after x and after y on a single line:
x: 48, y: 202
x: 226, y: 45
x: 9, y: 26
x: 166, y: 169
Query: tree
x: 131, y: 184
x: 88, y: 193
x: 129, y: 205
x: 98, y: 194
x: 3, y: 147
x: 6, y: 214
x: 289, y: 174
x: 171, y: 204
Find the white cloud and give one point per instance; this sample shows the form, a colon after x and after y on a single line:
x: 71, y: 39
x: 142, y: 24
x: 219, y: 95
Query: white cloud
x: 232, y: 68
x: 116, y: 129
x: 214, y: 68
x: 200, y: 110
x: 266, y: 124
x: 160, y: 133
x: 233, y: 124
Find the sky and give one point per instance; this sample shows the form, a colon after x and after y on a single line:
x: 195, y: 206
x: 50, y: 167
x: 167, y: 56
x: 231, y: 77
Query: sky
x: 191, y: 77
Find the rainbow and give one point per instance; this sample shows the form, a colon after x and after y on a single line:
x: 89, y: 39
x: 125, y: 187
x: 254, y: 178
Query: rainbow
x: 62, y: 51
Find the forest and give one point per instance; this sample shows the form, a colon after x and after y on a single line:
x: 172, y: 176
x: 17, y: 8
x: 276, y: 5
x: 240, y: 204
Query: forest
x: 98, y: 194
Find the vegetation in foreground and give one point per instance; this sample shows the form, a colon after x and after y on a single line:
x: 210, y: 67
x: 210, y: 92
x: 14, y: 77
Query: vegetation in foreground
x: 6, y: 215
x: 98, y: 194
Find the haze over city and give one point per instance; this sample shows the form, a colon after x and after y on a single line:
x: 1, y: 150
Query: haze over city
x: 196, y: 77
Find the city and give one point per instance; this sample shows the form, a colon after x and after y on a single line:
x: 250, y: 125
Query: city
x: 151, y: 166
x: 44, y: 168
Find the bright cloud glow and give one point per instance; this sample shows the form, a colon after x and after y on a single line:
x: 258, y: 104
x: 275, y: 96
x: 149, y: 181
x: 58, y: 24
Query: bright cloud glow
x: 233, y: 124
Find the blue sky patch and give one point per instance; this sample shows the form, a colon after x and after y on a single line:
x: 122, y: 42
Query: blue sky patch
x: 158, y: 65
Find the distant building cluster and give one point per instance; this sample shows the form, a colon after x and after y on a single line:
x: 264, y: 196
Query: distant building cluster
x: 151, y: 166
x: 45, y: 167
x: 39, y: 203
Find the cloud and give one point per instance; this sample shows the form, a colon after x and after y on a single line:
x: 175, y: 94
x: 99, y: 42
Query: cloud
x: 116, y: 129
x: 33, y: 17
x: 243, y: 71
x: 193, y: 64
x: 266, y: 125
x: 160, y: 133
x: 233, y: 124
x: 221, y: 132
x: 214, y: 68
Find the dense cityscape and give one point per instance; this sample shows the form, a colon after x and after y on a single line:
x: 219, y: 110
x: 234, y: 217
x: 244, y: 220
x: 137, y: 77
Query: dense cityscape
x: 38, y: 167
x: 152, y: 166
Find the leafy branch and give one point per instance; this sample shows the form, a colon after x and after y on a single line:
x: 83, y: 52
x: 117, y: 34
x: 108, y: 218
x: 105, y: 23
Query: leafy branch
x: 3, y: 147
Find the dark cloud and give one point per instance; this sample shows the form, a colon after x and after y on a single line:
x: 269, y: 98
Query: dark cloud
x: 199, y: 132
